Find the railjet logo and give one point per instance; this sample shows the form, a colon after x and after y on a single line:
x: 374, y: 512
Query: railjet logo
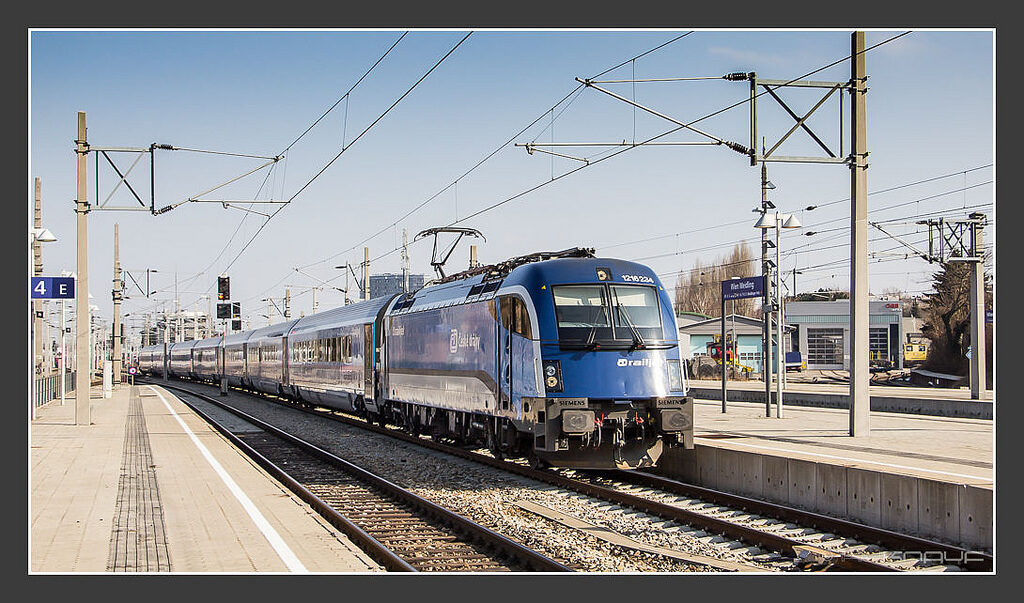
x: 456, y: 341
x: 628, y: 362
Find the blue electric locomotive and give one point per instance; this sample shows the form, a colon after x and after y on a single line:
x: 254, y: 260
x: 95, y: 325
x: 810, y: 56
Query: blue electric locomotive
x: 564, y: 358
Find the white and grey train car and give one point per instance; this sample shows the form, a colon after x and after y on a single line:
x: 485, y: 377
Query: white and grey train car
x: 233, y: 357
x: 180, y: 354
x: 332, y: 356
x: 265, y: 357
x: 205, y: 359
x: 151, y: 360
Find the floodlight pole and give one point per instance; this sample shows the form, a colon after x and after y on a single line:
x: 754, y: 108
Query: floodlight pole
x: 37, y: 270
x: 117, y: 295
x: 82, y: 322
x: 766, y: 303
x: 777, y: 286
x: 722, y: 352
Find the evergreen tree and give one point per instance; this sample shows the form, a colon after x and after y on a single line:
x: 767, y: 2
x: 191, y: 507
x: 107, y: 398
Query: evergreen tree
x: 947, y: 318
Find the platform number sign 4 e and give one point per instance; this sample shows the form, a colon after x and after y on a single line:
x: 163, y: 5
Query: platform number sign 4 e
x: 53, y: 287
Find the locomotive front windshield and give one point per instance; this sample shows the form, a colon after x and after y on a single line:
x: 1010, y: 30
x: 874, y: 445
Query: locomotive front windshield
x: 608, y: 315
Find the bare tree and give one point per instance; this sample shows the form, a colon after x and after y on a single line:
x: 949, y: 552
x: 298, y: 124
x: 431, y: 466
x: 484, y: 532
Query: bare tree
x: 700, y: 289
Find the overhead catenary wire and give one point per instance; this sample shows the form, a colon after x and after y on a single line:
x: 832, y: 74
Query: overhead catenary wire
x: 576, y: 91
x: 503, y: 202
x: 288, y: 147
x: 349, y: 145
x: 810, y: 208
x: 750, y: 240
x: 667, y: 132
x: 344, y: 96
x: 649, y: 140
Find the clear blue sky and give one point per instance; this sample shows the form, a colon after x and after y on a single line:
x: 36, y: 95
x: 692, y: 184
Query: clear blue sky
x: 930, y: 115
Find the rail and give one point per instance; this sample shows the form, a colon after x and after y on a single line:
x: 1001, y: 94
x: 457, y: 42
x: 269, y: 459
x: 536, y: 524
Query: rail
x: 501, y: 545
x: 970, y: 560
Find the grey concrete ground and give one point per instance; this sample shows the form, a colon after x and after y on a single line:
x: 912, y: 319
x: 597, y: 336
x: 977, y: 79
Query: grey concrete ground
x: 207, y: 505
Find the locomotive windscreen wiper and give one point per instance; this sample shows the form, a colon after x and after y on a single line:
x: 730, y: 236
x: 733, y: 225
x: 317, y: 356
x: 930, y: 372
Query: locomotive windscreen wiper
x: 590, y: 343
x: 638, y: 339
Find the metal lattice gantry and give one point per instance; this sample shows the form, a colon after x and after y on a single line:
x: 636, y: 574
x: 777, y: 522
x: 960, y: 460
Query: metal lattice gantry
x: 770, y: 86
x: 140, y: 152
x: 956, y: 240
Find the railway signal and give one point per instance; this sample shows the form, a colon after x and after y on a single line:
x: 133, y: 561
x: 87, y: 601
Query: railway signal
x: 223, y: 289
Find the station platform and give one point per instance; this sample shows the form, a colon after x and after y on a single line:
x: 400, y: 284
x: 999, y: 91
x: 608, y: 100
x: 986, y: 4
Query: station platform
x: 934, y: 401
x: 149, y: 487
x: 924, y: 475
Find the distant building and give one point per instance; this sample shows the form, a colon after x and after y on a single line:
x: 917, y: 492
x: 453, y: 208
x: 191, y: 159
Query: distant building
x: 390, y: 284
x: 688, y: 318
x: 180, y: 326
x: 683, y: 319
x: 746, y: 330
x: 823, y: 332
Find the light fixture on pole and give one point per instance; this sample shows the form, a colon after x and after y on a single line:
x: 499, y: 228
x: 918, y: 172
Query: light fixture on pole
x: 778, y: 221
x: 43, y: 235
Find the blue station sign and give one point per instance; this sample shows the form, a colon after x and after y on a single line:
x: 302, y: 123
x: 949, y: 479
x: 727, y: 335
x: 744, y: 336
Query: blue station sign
x: 739, y: 288
x: 53, y: 287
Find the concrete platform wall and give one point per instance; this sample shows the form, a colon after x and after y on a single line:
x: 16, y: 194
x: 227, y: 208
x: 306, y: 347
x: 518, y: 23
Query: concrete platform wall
x: 944, y: 511
x: 966, y: 409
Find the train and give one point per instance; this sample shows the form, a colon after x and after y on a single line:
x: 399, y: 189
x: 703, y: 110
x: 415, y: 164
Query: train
x: 562, y: 358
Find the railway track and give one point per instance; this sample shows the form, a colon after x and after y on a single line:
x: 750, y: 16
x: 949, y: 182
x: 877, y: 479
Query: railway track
x: 730, y: 522
x: 400, y: 530
x: 835, y: 534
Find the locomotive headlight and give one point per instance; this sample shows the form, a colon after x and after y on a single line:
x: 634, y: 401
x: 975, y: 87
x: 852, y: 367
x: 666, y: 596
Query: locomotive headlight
x: 577, y: 421
x: 675, y: 376
x: 553, y: 375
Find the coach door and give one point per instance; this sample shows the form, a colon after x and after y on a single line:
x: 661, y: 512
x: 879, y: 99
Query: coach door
x: 284, y: 361
x: 368, y: 353
x: 506, y: 303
